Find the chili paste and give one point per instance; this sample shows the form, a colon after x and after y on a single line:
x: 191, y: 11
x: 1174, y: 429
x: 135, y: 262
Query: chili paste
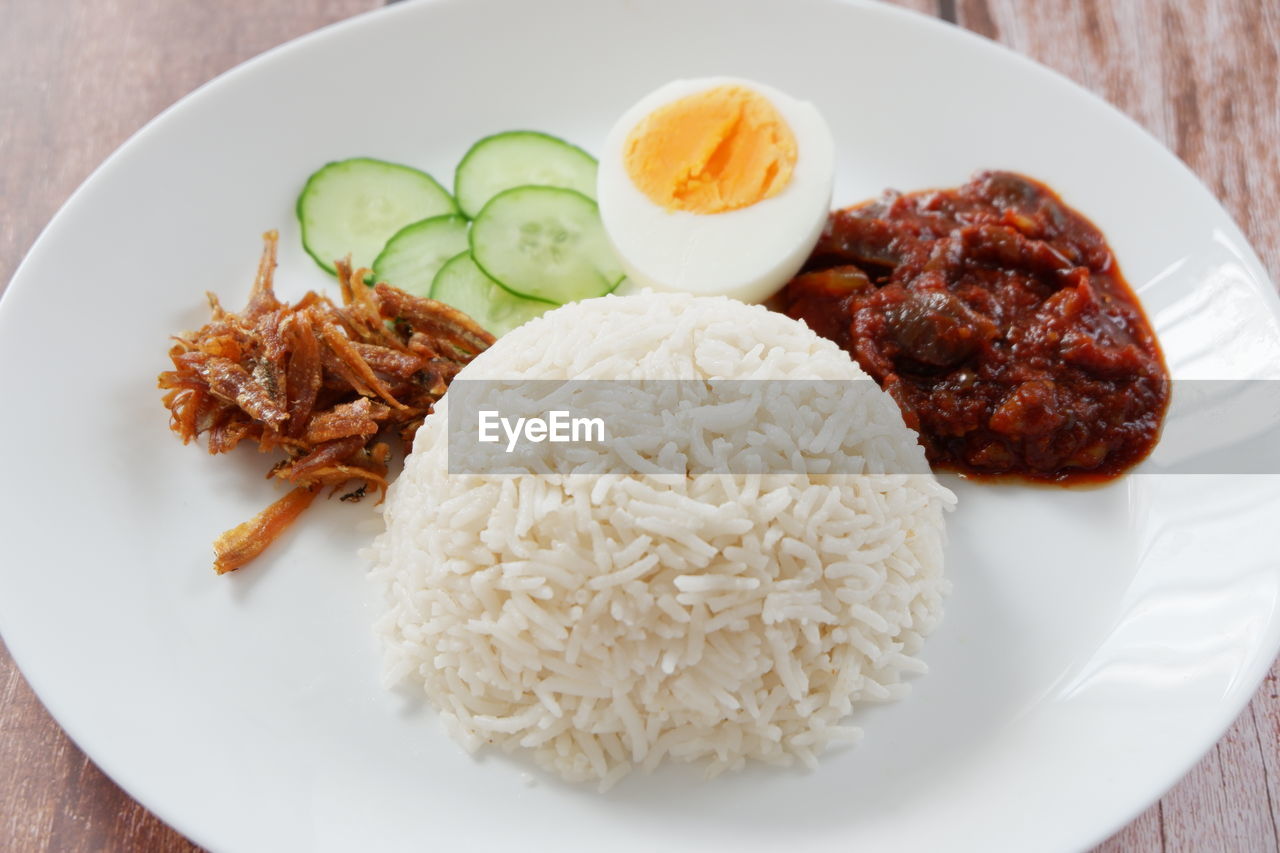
x: 997, y: 318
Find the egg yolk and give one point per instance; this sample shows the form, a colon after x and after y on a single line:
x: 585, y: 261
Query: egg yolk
x: 719, y: 150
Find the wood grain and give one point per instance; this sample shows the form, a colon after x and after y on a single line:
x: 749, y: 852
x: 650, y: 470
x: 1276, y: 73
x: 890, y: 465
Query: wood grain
x: 77, y: 79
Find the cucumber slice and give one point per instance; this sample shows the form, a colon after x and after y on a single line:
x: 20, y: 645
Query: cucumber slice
x: 353, y: 206
x: 462, y: 284
x: 545, y: 243
x: 521, y: 158
x: 416, y: 252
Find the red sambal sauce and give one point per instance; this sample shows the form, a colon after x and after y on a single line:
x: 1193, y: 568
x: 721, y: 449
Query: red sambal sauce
x: 997, y: 318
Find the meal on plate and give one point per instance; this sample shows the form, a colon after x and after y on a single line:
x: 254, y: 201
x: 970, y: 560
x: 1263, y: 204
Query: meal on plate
x: 602, y: 619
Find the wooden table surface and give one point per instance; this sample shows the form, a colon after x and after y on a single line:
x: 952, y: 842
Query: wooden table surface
x: 76, y: 79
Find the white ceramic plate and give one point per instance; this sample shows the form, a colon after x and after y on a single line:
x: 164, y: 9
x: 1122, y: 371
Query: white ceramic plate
x: 1097, y: 643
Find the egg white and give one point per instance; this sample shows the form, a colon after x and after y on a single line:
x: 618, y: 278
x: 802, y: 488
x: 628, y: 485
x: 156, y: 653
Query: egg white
x: 748, y: 253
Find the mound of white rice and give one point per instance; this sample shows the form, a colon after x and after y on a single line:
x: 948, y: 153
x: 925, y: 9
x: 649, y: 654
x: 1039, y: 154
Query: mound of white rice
x: 607, y: 622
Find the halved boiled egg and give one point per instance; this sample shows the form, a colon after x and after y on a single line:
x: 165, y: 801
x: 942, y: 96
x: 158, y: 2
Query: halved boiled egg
x: 716, y: 186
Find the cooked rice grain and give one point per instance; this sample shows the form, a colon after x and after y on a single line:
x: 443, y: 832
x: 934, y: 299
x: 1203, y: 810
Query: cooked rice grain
x: 605, y: 622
